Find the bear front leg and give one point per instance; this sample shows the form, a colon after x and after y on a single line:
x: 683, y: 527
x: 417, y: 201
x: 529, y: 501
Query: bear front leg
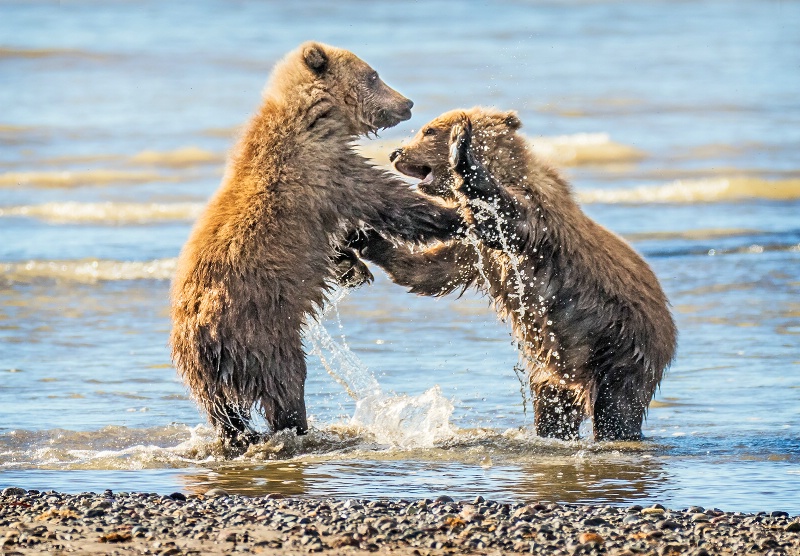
x: 494, y: 214
x: 390, y: 208
x: 351, y: 272
x: 436, y: 271
x: 558, y: 412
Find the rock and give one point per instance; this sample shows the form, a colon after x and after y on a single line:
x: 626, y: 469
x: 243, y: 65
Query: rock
x: 592, y: 538
x: 778, y: 514
x: 178, y: 496
x: 793, y: 527
x: 226, y: 535
x: 668, y: 524
x: 470, y: 513
x: 14, y: 491
x: 700, y: 517
x: 479, y: 500
x: 116, y: 536
x: 274, y: 496
x: 216, y: 493
x: 652, y: 511
x: 443, y: 499
x: 524, y: 511
x: 594, y: 522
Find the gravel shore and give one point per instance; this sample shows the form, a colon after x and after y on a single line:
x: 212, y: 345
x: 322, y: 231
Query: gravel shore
x: 34, y: 522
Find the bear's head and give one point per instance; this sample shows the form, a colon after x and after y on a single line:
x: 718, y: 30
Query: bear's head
x: 427, y: 155
x: 355, y: 87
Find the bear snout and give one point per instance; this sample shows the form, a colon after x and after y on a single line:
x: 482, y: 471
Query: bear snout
x: 405, y: 108
x: 395, y: 154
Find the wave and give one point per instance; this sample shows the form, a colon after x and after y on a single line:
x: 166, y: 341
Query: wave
x: 749, y: 249
x: 109, y: 212
x: 565, y: 150
x: 695, y: 235
x: 11, y: 129
x: 697, y: 191
x: 68, y: 178
x: 178, y: 158
x: 86, y: 271
x: 584, y: 149
x: 6, y: 52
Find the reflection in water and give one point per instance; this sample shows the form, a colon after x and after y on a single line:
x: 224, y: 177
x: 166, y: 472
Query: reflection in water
x: 581, y: 478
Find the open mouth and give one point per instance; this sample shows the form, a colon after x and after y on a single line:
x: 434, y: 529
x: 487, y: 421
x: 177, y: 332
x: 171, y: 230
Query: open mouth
x: 421, y: 172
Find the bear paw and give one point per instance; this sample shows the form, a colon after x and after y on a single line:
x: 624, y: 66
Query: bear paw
x: 462, y: 160
x: 351, y: 272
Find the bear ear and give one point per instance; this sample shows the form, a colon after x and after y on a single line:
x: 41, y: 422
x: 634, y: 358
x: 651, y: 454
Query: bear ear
x: 512, y: 120
x: 315, y: 57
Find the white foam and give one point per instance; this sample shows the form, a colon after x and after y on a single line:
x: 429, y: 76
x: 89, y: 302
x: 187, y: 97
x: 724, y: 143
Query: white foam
x: 406, y: 421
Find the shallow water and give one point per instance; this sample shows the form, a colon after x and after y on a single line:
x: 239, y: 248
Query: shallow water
x: 678, y: 124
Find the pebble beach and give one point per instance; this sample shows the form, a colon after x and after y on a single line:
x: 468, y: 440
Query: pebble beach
x: 34, y: 522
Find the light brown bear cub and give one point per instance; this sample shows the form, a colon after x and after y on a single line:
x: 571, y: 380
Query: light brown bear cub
x: 265, y: 252
x: 589, y: 315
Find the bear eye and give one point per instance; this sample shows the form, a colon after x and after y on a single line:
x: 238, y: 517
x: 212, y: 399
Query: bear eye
x: 428, y: 131
x: 373, y: 77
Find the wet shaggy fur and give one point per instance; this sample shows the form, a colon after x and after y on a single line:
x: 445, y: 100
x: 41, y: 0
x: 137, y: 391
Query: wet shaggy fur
x: 265, y: 252
x: 588, y: 314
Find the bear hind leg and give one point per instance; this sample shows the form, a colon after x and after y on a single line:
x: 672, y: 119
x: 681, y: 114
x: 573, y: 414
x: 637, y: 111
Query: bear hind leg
x: 558, y: 412
x: 286, y: 404
x: 232, y: 423
x: 291, y: 415
x: 618, y: 414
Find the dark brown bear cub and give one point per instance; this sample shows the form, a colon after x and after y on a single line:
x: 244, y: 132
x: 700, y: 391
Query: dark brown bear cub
x: 589, y: 316
x: 265, y: 252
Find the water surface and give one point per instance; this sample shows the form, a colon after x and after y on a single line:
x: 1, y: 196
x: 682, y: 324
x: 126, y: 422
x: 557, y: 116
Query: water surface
x: 678, y: 124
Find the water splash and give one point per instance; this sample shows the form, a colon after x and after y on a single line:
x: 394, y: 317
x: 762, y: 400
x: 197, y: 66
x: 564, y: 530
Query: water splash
x: 341, y: 363
x: 530, y: 353
x: 110, y: 448
x: 396, y: 420
x: 407, y: 421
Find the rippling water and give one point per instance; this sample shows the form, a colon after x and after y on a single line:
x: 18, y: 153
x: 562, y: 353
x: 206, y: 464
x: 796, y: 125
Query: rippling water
x: 678, y: 124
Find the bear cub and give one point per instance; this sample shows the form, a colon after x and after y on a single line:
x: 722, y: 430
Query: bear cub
x: 264, y: 254
x: 588, y: 314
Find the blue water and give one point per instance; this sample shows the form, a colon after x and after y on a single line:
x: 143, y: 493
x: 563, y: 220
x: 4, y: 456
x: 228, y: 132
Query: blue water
x: 705, y: 91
